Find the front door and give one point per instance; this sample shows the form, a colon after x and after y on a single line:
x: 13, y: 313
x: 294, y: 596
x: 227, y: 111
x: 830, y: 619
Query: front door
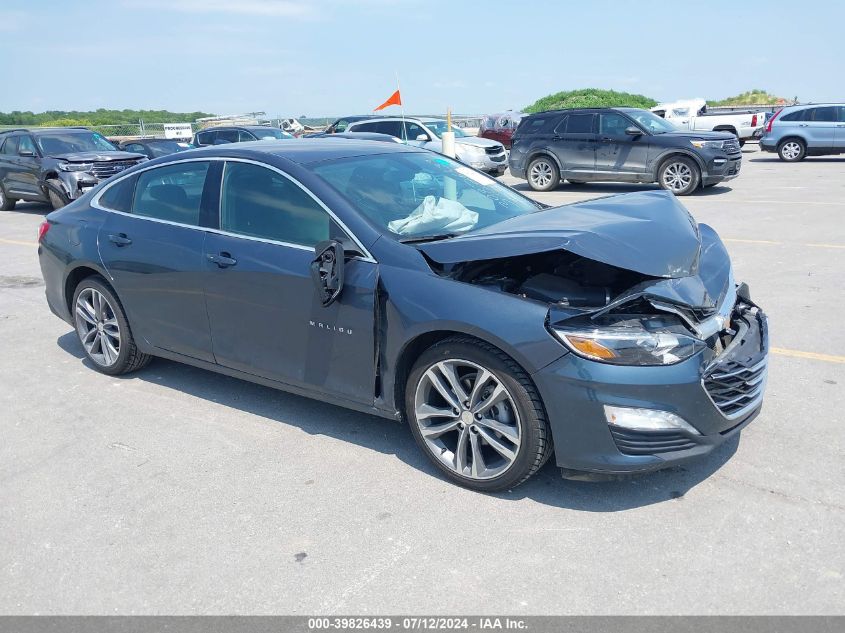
x: 266, y: 316
x: 153, y: 249
x: 839, y: 135
x: 618, y: 153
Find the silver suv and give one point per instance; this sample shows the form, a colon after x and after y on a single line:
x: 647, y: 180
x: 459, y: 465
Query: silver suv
x: 481, y: 153
x: 806, y: 130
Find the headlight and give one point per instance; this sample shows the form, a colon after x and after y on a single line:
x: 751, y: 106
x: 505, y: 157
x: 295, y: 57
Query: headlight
x: 75, y: 166
x: 708, y: 144
x: 629, y: 346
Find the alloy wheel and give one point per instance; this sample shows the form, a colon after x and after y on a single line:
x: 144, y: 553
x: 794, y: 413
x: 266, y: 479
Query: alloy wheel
x: 467, y: 419
x: 677, y: 176
x: 97, y: 326
x: 541, y: 174
x: 791, y: 150
x: 2, y: 197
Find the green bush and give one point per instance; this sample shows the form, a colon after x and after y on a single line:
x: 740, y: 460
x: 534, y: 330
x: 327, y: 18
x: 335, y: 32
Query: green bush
x: 98, y: 117
x: 752, y: 97
x: 590, y: 98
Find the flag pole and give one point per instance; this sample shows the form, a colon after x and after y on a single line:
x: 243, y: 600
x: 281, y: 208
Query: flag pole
x: 401, y: 105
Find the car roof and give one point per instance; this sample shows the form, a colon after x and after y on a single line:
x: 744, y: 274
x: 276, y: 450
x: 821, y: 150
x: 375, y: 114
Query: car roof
x: 303, y: 151
x: 811, y: 105
x: 248, y: 128
x: 582, y: 110
x: 43, y: 130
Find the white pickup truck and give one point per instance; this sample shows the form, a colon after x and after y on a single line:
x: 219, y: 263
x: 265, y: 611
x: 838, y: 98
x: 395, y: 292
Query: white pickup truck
x: 693, y: 115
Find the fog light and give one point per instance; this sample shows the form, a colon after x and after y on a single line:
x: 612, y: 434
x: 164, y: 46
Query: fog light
x: 646, y: 420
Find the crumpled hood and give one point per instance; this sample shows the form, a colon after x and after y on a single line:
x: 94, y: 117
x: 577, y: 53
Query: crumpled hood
x: 90, y: 157
x: 647, y: 232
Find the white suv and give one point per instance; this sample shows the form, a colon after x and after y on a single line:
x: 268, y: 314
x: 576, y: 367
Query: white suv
x: 481, y: 153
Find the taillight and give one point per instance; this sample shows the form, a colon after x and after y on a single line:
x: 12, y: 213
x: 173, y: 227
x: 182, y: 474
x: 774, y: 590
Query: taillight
x: 772, y: 120
x: 42, y: 230
x: 754, y: 121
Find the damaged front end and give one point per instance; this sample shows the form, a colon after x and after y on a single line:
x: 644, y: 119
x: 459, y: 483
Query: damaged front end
x: 668, y: 353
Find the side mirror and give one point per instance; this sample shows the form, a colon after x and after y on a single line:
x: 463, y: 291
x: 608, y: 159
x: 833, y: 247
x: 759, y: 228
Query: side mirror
x: 26, y: 153
x: 633, y: 131
x: 423, y: 137
x: 327, y: 270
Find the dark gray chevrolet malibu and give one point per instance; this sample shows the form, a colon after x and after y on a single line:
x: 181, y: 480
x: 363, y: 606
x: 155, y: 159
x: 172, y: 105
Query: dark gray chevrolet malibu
x: 392, y: 280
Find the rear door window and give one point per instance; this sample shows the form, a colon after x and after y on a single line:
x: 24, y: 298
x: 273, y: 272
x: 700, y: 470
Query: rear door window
x: 259, y: 202
x: 824, y: 115
x: 10, y: 147
x: 171, y: 192
x: 230, y: 136
x: 205, y: 138
x: 579, y: 124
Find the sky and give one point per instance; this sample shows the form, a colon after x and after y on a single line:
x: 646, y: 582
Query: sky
x: 340, y: 57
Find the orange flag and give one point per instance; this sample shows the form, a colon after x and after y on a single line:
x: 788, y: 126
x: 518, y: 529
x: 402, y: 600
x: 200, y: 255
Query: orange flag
x: 394, y: 99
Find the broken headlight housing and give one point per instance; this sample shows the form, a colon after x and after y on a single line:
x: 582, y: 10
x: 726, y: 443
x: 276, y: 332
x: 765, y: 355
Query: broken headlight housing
x: 634, y: 346
x: 75, y: 166
x: 702, y: 144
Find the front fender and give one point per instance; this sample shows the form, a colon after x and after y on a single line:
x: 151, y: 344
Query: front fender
x: 675, y: 151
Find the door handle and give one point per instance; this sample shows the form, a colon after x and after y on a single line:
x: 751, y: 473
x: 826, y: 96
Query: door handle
x: 605, y: 139
x: 119, y: 239
x: 223, y: 260
x: 802, y: 125
x: 555, y: 138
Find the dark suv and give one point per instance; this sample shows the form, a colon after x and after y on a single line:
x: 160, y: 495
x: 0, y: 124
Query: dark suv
x: 238, y: 134
x: 619, y: 144
x: 56, y: 165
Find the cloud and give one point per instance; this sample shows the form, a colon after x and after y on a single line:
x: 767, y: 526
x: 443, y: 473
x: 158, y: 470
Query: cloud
x: 271, y: 8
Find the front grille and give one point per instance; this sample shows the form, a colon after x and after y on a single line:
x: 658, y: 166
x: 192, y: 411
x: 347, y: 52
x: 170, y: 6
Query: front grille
x: 735, y: 387
x: 106, y: 168
x: 494, y: 150
x: 632, y: 442
x: 732, y: 168
x: 731, y: 146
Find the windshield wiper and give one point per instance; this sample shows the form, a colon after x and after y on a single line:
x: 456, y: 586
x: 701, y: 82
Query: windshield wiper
x: 428, y: 238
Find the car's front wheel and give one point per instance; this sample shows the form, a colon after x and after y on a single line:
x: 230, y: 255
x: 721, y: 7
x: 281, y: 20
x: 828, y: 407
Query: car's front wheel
x: 103, y: 329
x: 792, y: 150
x: 476, y: 415
x: 56, y: 194
x: 680, y: 175
x: 543, y: 174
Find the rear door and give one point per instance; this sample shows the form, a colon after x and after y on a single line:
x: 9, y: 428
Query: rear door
x: 574, y: 142
x: 151, y: 244
x: 265, y: 313
x: 839, y: 135
x: 618, y: 153
x: 820, y: 127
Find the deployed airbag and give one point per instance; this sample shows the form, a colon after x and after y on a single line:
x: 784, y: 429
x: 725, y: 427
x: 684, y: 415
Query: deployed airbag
x: 440, y: 215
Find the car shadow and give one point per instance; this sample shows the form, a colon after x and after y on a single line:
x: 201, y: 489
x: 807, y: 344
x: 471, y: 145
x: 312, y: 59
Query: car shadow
x: 390, y: 438
x: 614, y: 188
x: 33, y: 208
x: 773, y: 158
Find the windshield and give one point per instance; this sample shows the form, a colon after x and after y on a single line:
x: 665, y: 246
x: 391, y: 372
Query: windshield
x: 422, y: 195
x: 67, y: 142
x: 270, y: 133
x: 438, y: 127
x: 651, y: 121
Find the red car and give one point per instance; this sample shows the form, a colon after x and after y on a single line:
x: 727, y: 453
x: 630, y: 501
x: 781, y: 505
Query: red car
x: 500, y: 127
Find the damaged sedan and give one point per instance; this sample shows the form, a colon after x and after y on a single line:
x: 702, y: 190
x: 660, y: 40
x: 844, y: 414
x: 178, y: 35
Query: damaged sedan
x: 610, y: 334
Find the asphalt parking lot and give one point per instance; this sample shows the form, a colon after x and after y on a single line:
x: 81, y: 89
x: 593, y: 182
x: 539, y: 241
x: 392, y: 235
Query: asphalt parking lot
x: 176, y: 490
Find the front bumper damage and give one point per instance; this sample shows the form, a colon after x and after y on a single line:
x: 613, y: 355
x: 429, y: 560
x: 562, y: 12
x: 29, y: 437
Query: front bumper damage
x: 77, y: 183
x: 716, y: 392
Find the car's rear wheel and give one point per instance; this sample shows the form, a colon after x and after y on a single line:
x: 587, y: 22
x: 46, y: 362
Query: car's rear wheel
x: 6, y: 203
x: 792, y: 150
x: 476, y: 415
x: 543, y: 174
x: 103, y: 329
x: 679, y: 174
x: 56, y: 194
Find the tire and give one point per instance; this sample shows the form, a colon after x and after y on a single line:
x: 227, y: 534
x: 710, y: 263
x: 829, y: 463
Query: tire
x: 56, y: 194
x: 500, y: 450
x: 96, y: 320
x: 792, y: 150
x: 6, y: 203
x: 576, y: 182
x: 741, y: 143
x: 543, y: 174
x: 679, y: 174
